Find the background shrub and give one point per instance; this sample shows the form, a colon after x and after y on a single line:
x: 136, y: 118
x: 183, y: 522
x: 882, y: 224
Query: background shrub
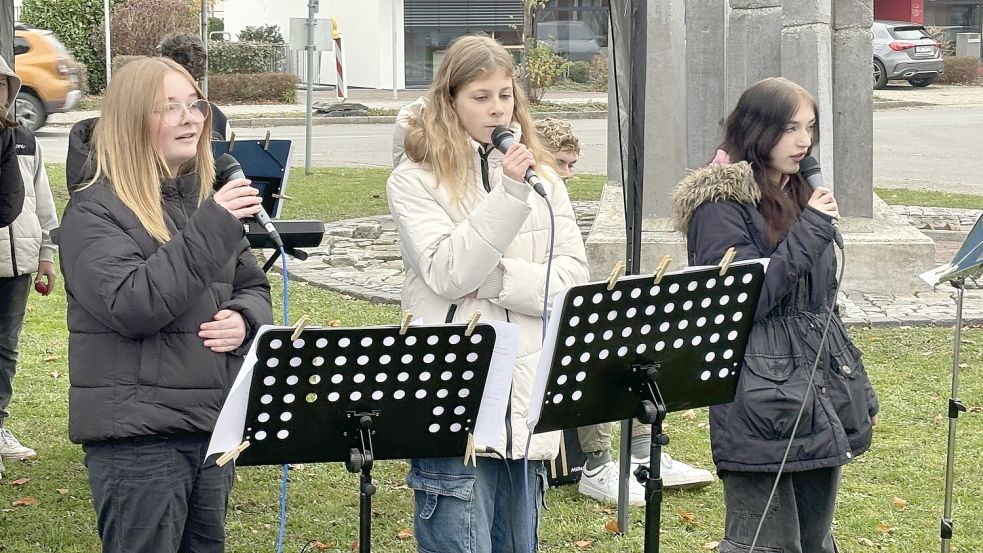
x: 241, y: 57
x: 579, y: 72
x: 960, y: 70
x: 277, y: 88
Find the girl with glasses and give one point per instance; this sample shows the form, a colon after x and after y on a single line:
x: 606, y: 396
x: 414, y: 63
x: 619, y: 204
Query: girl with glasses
x: 164, y: 297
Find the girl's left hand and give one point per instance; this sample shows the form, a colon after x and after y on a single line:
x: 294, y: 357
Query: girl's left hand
x: 225, y: 333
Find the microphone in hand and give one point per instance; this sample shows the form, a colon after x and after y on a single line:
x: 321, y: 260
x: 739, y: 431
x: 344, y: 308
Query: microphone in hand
x: 228, y: 169
x: 812, y: 173
x: 502, y: 139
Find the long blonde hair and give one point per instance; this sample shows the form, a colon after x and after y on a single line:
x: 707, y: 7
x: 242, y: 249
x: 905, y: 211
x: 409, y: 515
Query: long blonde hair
x: 438, y: 140
x: 126, y: 153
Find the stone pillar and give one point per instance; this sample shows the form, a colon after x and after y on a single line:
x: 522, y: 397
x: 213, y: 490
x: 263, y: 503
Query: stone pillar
x: 853, y: 107
x: 665, y: 114
x: 754, y: 43
x: 706, y: 27
x: 807, y: 60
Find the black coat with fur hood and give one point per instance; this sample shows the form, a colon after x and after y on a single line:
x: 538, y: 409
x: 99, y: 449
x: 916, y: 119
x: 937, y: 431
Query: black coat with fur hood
x: 716, y: 207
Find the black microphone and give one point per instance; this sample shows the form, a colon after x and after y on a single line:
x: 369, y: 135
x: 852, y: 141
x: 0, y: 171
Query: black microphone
x: 227, y: 169
x: 812, y: 173
x: 502, y: 139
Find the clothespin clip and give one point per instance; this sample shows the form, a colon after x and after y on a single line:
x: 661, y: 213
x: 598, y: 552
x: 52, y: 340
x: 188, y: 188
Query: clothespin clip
x: 660, y: 271
x: 564, y: 465
x: 405, y: 322
x: 266, y: 142
x: 726, y: 260
x: 232, y: 142
x: 615, y: 273
x: 283, y: 196
x: 472, y: 322
x: 299, y: 327
x: 469, y: 455
x: 231, y: 455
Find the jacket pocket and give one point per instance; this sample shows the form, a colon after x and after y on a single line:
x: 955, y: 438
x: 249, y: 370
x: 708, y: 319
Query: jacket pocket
x: 847, y: 385
x: 771, y: 393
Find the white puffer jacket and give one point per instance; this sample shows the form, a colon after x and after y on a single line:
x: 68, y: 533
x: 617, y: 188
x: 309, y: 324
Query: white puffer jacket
x: 496, y: 243
x: 27, y: 240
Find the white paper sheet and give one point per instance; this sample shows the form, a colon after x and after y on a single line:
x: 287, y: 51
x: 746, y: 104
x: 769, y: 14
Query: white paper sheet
x: 490, y: 424
x: 232, y: 420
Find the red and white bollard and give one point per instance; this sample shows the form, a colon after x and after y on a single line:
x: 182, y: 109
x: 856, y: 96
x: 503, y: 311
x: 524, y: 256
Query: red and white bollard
x: 339, y: 56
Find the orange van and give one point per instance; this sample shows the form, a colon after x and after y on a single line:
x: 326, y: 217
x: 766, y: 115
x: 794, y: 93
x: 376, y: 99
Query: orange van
x: 50, y: 84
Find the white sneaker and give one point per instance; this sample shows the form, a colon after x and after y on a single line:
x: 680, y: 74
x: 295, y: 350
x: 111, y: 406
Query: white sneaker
x: 680, y: 476
x: 601, y: 483
x: 12, y: 449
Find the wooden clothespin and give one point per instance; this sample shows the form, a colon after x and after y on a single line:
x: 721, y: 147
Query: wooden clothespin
x: 299, y: 327
x: 266, y: 142
x: 564, y: 464
x: 469, y: 455
x: 660, y: 271
x: 405, y: 322
x: 283, y: 196
x: 472, y: 322
x: 726, y: 260
x: 615, y: 273
x: 232, y: 142
x: 231, y: 455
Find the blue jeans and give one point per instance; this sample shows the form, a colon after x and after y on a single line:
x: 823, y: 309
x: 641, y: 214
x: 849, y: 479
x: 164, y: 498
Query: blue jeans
x: 157, y: 495
x: 476, y: 509
x: 13, y: 305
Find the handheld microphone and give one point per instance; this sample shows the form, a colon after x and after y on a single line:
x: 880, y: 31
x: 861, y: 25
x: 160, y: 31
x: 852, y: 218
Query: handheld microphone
x: 502, y: 139
x: 812, y: 173
x: 227, y: 169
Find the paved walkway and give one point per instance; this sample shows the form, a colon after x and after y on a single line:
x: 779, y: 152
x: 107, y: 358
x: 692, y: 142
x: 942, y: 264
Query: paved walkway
x: 361, y: 258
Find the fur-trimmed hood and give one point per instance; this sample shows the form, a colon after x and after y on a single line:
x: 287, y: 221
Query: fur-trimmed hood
x: 713, y: 183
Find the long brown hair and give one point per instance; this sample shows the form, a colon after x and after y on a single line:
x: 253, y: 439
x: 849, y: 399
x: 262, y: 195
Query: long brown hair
x: 128, y: 157
x: 438, y: 140
x: 752, y: 130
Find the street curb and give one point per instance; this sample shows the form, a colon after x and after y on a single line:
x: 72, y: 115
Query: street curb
x: 894, y: 104
x: 381, y: 119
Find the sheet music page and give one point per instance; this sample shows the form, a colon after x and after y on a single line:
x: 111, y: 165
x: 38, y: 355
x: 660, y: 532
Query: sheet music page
x: 762, y: 260
x: 490, y: 424
x: 232, y: 420
x: 545, y: 358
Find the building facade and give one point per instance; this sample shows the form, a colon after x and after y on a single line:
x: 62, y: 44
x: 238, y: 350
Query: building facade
x: 954, y: 16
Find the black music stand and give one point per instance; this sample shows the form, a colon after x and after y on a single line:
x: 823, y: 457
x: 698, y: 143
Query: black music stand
x: 967, y: 263
x: 360, y: 395
x: 643, y: 349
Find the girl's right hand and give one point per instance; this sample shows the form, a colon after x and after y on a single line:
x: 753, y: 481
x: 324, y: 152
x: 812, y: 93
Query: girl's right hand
x: 822, y: 200
x: 517, y: 160
x: 239, y: 199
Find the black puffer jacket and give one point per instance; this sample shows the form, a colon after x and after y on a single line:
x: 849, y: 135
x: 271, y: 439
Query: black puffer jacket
x: 717, y: 208
x: 136, y: 363
x: 11, y: 183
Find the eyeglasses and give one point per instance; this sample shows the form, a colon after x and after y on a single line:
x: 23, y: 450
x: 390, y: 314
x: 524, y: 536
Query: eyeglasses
x: 172, y: 112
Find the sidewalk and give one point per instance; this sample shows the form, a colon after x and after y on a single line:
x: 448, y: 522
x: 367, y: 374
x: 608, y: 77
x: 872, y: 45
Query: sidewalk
x: 241, y: 115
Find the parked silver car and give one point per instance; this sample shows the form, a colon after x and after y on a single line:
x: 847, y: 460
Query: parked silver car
x: 905, y: 51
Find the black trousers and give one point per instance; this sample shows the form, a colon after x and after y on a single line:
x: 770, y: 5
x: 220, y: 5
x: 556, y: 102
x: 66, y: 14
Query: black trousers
x: 799, y: 519
x: 157, y: 495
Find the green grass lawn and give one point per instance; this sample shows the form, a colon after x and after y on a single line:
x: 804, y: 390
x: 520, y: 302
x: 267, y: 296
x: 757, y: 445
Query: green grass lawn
x: 891, y: 498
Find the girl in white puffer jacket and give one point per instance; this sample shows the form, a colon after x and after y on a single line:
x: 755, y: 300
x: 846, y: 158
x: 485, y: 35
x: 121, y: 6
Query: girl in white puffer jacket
x: 475, y: 238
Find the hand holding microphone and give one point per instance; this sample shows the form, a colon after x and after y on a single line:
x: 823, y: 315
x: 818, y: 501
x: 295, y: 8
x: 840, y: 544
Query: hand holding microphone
x: 822, y: 198
x: 241, y: 200
x: 518, y: 162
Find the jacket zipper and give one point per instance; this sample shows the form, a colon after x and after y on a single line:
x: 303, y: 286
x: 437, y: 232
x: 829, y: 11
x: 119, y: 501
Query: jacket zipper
x: 508, y: 413
x: 13, y: 249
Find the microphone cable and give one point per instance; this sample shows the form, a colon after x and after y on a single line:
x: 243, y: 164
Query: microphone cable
x: 808, y: 394
x: 284, y: 479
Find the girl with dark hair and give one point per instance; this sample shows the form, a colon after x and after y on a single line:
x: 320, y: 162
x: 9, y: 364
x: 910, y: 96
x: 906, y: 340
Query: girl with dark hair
x: 763, y: 208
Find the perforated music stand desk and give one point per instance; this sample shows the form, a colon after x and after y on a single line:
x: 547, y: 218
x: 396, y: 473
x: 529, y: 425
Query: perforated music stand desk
x: 644, y: 349
x: 359, y: 395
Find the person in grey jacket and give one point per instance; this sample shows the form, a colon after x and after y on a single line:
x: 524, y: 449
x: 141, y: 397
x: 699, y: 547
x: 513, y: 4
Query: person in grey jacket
x: 761, y: 206
x: 25, y: 248
x: 164, y: 297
